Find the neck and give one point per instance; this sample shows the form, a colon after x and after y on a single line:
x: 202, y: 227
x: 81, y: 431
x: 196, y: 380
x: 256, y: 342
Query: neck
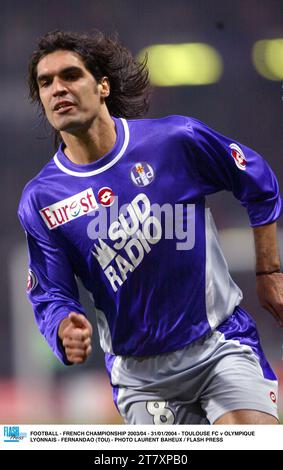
x: 87, y: 146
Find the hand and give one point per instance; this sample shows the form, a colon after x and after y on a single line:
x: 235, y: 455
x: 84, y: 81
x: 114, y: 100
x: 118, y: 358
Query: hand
x: 75, y: 332
x: 270, y: 293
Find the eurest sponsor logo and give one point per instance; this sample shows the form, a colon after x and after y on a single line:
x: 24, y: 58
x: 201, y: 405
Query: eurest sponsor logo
x: 69, y: 209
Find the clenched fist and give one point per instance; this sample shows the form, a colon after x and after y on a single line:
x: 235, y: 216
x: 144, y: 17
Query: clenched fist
x: 75, y: 332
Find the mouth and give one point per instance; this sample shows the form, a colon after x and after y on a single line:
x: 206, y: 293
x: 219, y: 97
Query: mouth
x: 63, y: 107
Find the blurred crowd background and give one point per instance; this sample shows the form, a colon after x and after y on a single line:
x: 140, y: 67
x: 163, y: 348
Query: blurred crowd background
x: 241, y: 98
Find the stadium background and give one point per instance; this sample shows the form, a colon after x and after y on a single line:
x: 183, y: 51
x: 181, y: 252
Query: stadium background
x: 239, y: 94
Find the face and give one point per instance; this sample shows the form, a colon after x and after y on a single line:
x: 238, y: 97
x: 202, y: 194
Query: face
x: 69, y: 93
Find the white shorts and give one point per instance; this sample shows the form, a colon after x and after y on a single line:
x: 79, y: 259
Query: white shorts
x: 223, y: 371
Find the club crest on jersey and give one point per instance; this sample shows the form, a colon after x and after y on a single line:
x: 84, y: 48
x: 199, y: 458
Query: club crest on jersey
x: 106, y: 196
x: 142, y: 174
x: 69, y: 209
x: 239, y: 156
x: 31, y: 281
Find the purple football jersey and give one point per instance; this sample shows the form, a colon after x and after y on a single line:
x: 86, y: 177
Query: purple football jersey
x: 134, y: 228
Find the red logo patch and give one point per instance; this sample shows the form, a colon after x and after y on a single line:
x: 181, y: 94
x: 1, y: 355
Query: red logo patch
x: 31, y: 281
x: 238, y: 155
x: 106, y: 196
x: 273, y: 396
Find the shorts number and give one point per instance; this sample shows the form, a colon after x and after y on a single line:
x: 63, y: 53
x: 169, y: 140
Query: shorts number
x: 160, y: 412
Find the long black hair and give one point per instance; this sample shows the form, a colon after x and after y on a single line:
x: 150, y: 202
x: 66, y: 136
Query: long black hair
x: 102, y: 56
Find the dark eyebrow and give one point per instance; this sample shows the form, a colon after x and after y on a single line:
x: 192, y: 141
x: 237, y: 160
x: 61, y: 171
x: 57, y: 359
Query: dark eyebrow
x: 64, y: 71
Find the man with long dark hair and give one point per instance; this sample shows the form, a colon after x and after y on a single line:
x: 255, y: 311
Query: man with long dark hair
x: 178, y: 346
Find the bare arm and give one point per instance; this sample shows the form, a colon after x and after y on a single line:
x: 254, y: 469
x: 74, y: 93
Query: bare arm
x: 269, y: 285
x: 266, y: 246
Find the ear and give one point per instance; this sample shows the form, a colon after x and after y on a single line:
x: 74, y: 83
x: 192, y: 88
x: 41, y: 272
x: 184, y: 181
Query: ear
x: 104, y: 86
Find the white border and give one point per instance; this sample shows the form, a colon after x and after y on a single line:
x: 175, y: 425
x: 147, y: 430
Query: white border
x: 145, y: 437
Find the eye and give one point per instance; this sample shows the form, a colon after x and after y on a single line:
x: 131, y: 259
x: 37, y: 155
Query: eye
x: 72, y: 77
x: 44, y: 83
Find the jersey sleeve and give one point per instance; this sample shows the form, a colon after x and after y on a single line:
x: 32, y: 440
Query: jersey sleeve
x: 224, y: 164
x: 52, y: 288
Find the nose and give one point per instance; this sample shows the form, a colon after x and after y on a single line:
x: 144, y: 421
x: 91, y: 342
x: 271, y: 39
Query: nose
x: 58, y: 87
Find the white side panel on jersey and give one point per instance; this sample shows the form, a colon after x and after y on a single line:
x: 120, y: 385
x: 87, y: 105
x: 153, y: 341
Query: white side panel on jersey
x: 104, y: 331
x: 222, y: 294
